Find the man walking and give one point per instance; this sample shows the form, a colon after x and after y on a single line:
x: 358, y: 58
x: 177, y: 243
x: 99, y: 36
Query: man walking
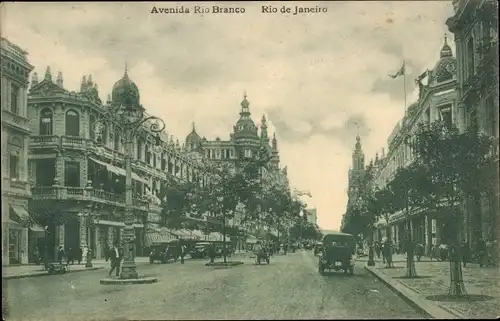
x: 183, y: 253
x: 116, y: 258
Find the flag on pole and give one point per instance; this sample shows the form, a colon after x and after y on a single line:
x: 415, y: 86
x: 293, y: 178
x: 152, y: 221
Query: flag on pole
x: 400, y: 72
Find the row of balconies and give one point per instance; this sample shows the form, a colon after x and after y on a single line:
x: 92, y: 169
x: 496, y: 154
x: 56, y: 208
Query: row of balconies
x: 85, y: 194
x: 80, y: 143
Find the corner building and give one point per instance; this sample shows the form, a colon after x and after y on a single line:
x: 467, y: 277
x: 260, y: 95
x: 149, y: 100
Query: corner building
x: 475, y: 27
x: 15, y: 135
x: 437, y: 101
x: 83, y: 182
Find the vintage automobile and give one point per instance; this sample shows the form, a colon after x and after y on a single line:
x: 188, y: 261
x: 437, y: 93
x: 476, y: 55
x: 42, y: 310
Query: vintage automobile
x: 163, y: 252
x: 318, y: 248
x: 338, y: 253
x: 200, y: 250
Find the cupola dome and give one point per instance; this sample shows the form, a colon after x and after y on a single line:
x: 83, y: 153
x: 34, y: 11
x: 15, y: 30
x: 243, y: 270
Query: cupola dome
x: 125, y: 92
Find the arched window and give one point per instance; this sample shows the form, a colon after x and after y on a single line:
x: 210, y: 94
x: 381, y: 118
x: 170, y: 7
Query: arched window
x: 46, y: 122
x: 72, y: 123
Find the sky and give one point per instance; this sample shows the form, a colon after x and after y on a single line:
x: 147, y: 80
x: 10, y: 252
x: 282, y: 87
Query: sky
x: 313, y: 76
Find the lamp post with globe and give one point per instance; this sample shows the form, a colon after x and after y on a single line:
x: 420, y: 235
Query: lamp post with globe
x: 128, y: 116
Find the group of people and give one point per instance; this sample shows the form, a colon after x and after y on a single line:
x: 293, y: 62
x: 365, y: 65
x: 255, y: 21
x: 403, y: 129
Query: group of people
x: 78, y: 254
x: 485, y: 253
x: 386, y: 249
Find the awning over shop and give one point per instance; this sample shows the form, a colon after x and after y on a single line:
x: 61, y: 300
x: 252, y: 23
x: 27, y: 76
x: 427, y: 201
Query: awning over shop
x: 118, y: 170
x: 37, y: 229
x: 119, y: 224
x: 21, y: 212
x: 159, y: 236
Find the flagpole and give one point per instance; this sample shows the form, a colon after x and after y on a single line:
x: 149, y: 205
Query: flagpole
x: 404, y: 82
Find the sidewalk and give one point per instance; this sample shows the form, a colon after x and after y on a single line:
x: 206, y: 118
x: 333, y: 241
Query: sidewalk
x: 32, y: 270
x: 434, y: 279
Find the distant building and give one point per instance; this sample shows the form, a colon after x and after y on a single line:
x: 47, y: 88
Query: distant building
x: 356, y: 175
x: 244, y: 142
x: 15, y: 135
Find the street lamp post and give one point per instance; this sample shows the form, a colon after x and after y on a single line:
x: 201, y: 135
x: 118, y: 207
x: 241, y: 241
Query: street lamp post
x: 129, y: 118
x: 411, y: 271
x: 86, y: 219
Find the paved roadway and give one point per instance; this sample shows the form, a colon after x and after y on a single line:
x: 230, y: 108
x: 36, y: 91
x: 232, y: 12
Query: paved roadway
x: 289, y: 288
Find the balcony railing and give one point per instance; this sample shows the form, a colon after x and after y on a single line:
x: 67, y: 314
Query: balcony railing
x: 73, y: 141
x: 44, y: 141
x: 84, y: 193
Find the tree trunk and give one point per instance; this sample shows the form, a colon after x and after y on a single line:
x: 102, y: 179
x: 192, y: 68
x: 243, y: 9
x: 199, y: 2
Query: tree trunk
x: 457, y: 288
x: 224, y: 235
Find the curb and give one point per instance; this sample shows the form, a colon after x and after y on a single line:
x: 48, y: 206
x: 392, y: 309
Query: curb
x: 424, y: 306
x: 143, y: 280
x: 45, y: 273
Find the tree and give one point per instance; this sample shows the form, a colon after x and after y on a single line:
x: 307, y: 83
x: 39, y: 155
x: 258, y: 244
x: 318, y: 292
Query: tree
x: 177, y: 202
x: 447, y: 169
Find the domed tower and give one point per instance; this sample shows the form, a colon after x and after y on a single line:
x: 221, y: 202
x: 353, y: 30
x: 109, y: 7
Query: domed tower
x: 245, y: 127
x: 125, y: 92
x: 193, y: 141
x: 446, y: 66
x: 245, y: 137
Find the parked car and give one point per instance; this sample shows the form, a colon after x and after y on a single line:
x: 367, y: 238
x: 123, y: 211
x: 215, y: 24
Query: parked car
x: 339, y: 253
x: 200, y: 250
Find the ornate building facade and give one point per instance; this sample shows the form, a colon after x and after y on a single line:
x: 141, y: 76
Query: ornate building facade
x: 244, y: 142
x: 83, y: 180
x: 475, y: 27
x: 15, y: 135
x: 437, y: 101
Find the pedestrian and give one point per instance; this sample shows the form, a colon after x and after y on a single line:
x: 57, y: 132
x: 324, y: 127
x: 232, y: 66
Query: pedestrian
x: 377, y: 249
x: 36, y: 256
x: 115, y: 257
x: 85, y: 252
x: 433, y: 252
x: 211, y: 252
x: 183, y: 252
x: 465, y: 252
x: 69, y: 256
x: 489, y: 253
x: 387, y: 253
x: 494, y: 253
x: 79, y: 253
x: 443, y: 252
x: 60, y: 254
x: 107, y: 250
x: 285, y: 248
x: 481, y: 251
x: 419, y: 251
